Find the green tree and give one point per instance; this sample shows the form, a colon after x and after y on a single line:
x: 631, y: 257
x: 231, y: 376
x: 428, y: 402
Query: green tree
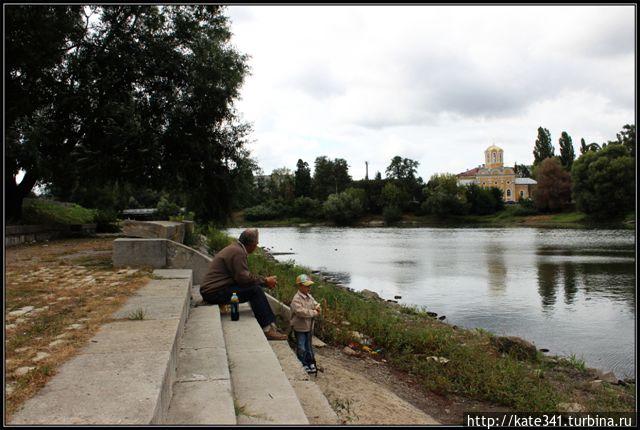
x: 522, y: 171
x: 402, y: 169
x: 282, y: 184
x: 483, y: 201
x: 567, y: 154
x: 444, y: 196
x: 553, y: 191
x: 330, y: 177
x: 604, y: 182
x: 344, y: 208
x: 543, y: 147
x: 303, y: 179
x: 140, y: 95
x: 627, y: 138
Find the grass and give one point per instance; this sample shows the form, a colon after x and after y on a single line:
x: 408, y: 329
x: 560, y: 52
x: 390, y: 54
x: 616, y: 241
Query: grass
x: 138, y: 314
x: 408, y: 336
x: 42, y: 211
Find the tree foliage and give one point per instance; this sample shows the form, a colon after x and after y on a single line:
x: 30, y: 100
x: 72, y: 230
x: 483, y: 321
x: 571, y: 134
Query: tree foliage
x: 302, y: 179
x: 604, y: 182
x: 543, y: 147
x: 141, y: 95
x: 344, y: 208
x: 553, y: 191
x: 330, y: 177
x: 444, y: 196
x: 567, y: 154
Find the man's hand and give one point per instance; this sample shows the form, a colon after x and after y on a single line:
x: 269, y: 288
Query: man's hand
x: 271, y: 282
x: 318, y: 309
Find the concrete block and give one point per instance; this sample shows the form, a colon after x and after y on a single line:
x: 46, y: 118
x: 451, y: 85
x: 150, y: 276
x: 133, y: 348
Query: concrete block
x: 174, y: 274
x: 155, y: 308
x: 315, y: 404
x: 115, y: 388
x: 202, y: 402
x: 260, y: 386
x: 139, y: 252
x: 154, y: 230
x: 181, y: 256
x: 202, y: 364
x: 128, y: 336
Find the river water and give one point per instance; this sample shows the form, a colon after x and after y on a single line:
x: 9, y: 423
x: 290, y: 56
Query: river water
x: 570, y: 291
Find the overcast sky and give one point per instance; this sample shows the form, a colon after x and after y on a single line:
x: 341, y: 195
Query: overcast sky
x: 437, y: 84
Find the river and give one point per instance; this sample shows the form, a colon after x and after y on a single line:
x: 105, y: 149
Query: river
x: 570, y: 291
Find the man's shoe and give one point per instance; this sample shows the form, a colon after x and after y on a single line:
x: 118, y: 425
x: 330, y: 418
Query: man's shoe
x: 273, y: 334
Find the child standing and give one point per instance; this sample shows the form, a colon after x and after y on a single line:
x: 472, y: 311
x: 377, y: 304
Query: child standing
x: 303, y: 309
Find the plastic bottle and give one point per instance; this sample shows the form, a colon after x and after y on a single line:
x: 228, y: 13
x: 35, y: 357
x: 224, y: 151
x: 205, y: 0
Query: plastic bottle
x: 235, y: 311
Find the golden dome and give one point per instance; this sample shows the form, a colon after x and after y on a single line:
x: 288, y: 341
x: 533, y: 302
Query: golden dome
x: 493, y: 148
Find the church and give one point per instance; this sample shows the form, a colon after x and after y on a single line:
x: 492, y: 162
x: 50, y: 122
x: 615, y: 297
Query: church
x: 493, y: 174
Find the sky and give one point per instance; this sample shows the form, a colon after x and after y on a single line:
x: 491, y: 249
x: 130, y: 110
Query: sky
x: 436, y: 84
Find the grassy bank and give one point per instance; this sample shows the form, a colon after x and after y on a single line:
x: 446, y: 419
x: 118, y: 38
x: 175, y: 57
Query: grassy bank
x: 42, y: 211
x: 467, y: 362
x: 509, y: 217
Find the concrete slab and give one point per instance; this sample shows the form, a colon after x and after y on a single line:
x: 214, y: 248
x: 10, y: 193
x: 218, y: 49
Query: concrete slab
x: 202, y: 402
x: 202, y: 364
x: 260, y: 387
x: 116, y: 388
x: 313, y: 401
x: 165, y: 288
x: 155, y: 308
x: 315, y: 404
x: 128, y: 336
x: 139, y: 252
x: 174, y: 274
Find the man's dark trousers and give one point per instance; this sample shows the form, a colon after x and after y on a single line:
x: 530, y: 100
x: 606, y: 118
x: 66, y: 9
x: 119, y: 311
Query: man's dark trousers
x: 252, y: 294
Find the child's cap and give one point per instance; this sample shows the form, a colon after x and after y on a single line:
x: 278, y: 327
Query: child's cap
x: 304, y: 280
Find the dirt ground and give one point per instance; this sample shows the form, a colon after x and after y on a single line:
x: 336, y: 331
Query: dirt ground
x: 366, y: 391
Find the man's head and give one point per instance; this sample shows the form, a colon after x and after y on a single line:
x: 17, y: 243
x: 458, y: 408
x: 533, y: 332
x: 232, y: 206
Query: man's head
x: 304, y: 283
x: 249, y: 238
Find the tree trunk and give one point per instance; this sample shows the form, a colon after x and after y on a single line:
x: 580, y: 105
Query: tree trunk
x: 15, y: 193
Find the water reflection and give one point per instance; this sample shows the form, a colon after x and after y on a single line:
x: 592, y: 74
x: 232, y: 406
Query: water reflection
x: 570, y: 283
x: 548, y: 275
x: 497, y: 269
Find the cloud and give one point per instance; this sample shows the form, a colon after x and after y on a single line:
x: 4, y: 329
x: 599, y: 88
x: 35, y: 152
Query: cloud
x: 434, y: 83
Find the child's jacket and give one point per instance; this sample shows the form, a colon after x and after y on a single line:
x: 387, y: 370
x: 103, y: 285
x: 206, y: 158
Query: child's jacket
x: 302, y: 311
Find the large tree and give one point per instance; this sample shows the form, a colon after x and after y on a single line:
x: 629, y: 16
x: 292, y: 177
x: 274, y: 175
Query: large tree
x: 303, y: 179
x: 138, y: 94
x: 604, y: 182
x: 543, y: 147
x: 553, y: 191
x: 330, y: 177
x: 567, y: 154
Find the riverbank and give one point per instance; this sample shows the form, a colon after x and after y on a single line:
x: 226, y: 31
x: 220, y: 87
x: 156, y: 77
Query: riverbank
x: 506, y: 218
x: 446, y: 360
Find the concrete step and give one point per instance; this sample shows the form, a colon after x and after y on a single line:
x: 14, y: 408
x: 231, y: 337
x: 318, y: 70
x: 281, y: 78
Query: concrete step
x: 262, y: 392
x: 202, y: 391
x: 126, y: 372
x: 313, y: 401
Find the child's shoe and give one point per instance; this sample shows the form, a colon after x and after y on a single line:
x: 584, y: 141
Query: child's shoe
x: 313, y: 368
x: 306, y: 368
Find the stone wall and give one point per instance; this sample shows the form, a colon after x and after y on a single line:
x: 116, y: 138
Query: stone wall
x: 18, y: 234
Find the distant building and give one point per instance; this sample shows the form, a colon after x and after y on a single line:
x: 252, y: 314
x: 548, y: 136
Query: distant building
x: 493, y: 174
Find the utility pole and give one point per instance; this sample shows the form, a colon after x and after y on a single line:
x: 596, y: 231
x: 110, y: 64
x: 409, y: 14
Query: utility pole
x: 366, y: 175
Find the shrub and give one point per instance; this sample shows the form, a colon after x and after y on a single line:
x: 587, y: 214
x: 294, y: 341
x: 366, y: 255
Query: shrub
x: 306, y: 207
x: 444, y: 197
x: 391, y: 214
x: 272, y: 209
x: 216, y: 240
x: 166, y: 209
x: 106, y: 221
x: 346, y: 207
x: 42, y: 211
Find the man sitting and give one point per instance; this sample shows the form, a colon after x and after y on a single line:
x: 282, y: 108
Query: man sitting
x: 229, y: 272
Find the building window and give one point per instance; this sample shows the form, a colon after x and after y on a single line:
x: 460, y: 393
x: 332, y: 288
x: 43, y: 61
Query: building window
x: 493, y: 155
x: 521, y: 194
x: 508, y: 193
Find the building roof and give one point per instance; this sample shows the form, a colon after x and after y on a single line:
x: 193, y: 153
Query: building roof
x: 492, y: 147
x: 472, y: 172
x: 139, y: 211
x: 525, y: 181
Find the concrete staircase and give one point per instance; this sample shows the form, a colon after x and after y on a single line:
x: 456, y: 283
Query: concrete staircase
x: 181, y: 364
